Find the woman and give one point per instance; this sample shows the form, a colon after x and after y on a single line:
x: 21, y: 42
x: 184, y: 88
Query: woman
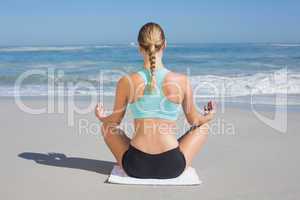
x: 154, y: 95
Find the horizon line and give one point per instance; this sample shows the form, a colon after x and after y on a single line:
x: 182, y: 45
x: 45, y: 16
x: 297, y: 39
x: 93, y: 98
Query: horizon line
x: 129, y: 43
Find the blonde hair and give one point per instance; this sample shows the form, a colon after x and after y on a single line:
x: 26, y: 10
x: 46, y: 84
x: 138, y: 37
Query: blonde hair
x: 151, y: 38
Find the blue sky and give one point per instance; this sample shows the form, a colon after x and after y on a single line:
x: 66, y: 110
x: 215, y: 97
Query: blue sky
x: 37, y: 22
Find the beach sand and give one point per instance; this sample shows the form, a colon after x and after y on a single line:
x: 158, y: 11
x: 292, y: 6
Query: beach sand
x: 250, y: 160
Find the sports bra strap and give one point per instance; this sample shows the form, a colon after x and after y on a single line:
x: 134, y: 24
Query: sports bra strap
x: 160, y: 74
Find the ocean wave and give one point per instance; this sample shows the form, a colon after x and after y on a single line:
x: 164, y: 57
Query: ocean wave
x: 50, y: 48
x: 102, y: 46
x: 197, y: 56
x: 34, y: 49
x: 65, y: 65
x: 286, y: 45
x: 44, y: 90
x: 275, y: 82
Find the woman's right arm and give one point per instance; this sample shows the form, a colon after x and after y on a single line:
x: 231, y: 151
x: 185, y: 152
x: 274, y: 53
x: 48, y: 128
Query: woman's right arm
x: 189, y: 108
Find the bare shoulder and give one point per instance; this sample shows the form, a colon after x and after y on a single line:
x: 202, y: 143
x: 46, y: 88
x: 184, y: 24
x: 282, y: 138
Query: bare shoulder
x: 177, y: 77
x: 123, y: 80
x: 129, y: 81
x: 126, y: 79
x: 134, y: 76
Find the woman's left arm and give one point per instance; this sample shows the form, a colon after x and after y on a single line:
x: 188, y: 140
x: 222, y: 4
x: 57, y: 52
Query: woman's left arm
x: 120, y: 105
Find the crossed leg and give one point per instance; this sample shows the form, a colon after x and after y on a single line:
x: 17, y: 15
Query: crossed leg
x: 116, y: 140
x: 192, y: 141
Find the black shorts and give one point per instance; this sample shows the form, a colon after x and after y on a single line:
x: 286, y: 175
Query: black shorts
x: 139, y: 164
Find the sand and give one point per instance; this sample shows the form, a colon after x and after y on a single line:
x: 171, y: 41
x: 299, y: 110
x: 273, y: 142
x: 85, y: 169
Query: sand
x: 44, y: 158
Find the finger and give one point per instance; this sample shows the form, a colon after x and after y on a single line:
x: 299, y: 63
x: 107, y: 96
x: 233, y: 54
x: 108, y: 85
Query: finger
x: 97, y: 110
x: 214, y: 105
x: 213, y: 110
x: 101, y: 108
x: 99, y: 105
x: 209, y: 105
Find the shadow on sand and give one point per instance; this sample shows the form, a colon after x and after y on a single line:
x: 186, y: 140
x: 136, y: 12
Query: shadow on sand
x: 61, y: 160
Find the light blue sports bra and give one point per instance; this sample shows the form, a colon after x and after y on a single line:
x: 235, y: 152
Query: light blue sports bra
x: 154, y: 104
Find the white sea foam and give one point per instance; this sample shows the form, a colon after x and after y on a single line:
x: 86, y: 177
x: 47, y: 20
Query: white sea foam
x: 40, y: 48
x: 65, y: 65
x: 52, y: 48
x: 102, y: 46
x: 133, y: 44
x: 286, y: 45
x: 260, y: 84
x: 197, y: 56
x: 277, y: 82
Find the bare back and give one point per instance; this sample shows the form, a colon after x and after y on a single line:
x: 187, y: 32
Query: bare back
x: 155, y: 135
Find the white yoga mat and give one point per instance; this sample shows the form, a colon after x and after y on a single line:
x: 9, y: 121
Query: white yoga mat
x: 188, y: 177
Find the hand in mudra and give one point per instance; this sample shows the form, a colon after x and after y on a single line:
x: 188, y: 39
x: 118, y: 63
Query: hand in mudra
x: 210, y: 109
x: 99, y: 111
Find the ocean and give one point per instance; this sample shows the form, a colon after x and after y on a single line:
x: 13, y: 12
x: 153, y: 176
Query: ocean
x: 235, y: 72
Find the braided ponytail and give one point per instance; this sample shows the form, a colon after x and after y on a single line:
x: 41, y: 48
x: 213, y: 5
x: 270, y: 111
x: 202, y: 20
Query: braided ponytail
x: 151, y: 38
x: 152, y: 58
